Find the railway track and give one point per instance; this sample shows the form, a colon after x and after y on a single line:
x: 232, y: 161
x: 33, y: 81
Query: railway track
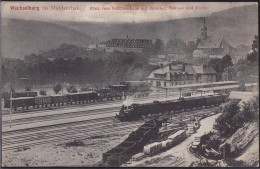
x: 59, y: 116
x: 79, y: 133
x: 78, y: 130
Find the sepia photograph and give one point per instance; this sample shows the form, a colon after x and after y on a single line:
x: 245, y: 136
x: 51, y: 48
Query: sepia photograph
x: 129, y: 84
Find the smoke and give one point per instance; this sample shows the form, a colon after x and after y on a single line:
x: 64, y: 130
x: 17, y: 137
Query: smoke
x: 128, y: 102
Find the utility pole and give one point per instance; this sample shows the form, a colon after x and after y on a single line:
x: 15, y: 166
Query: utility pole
x: 227, y: 73
x: 11, y: 106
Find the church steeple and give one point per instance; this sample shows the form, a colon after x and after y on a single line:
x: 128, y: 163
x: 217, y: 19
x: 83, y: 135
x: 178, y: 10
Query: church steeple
x: 204, y: 30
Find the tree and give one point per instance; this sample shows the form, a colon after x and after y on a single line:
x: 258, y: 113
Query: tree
x: 57, y: 88
x: 158, y: 46
x: 43, y: 92
x: 219, y: 65
x: 28, y: 88
x: 229, y: 73
x: 250, y: 110
x: 254, y: 54
x: 225, y: 123
x: 72, y: 89
x: 226, y: 61
x: 241, y: 87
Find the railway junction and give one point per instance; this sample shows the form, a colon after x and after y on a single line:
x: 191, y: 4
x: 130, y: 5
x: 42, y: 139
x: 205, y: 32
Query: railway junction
x: 32, y: 130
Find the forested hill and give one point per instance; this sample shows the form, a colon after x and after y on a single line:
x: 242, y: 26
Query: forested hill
x: 20, y: 37
x: 236, y: 25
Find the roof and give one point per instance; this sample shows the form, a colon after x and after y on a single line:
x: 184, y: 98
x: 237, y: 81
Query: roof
x: 210, y: 42
x: 202, y: 85
x: 129, y: 43
x: 224, y: 87
x: 163, y: 70
x: 193, y: 69
x: 208, y: 70
x: 198, y: 52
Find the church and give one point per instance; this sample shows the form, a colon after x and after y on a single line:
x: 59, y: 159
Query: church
x: 210, y: 46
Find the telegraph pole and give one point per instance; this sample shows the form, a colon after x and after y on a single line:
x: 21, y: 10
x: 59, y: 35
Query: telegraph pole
x: 11, y: 106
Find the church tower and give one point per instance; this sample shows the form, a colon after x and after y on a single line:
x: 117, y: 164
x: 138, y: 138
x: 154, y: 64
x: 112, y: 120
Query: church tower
x: 204, y: 30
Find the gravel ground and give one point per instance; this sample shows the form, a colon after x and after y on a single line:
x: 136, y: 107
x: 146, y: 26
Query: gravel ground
x: 87, y: 152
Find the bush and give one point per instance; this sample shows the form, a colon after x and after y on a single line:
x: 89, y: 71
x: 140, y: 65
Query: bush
x: 225, y: 124
x: 72, y: 89
x: 84, y: 89
x: 57, y: 88
x: 43, y: 92
x: 250, y: 110
x: 28, y: 88
x: 241, y: 87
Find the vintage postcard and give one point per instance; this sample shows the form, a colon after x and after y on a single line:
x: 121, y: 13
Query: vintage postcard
x: 129, y: 84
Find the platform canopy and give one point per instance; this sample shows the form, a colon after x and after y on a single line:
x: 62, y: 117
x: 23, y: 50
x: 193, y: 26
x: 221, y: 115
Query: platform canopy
x: 200, y: 85
x: 217, y: 88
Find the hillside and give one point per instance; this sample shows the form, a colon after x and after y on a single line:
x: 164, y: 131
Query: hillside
x: 20, y: 37
x: 237, y: 25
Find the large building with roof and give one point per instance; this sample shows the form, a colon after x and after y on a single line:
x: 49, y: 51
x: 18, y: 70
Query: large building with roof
x: 180, y: 73
x: 210, y: 46
x: 128, y: 45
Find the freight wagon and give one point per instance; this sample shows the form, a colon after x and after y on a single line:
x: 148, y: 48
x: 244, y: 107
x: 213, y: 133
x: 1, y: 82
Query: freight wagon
x: 133, y: 144
x: 20, y: 94
x: 172, y: 141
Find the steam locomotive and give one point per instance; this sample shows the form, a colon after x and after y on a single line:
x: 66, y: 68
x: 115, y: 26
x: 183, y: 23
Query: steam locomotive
x: 134, y: 111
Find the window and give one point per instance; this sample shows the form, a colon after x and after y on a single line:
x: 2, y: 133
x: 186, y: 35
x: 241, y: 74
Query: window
x: 164, y: 83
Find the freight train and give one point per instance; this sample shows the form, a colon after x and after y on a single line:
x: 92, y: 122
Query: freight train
x: 57, y: 100
x: 134, y: 111
x: 30, y: 99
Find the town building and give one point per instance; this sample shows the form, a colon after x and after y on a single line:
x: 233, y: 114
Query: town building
x: 210, y: 46
x: 101, y: 46
x: 128, y: 45
x: 180, y: 73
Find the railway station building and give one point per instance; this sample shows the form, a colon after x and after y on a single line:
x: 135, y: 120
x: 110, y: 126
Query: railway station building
x: 180, y: 73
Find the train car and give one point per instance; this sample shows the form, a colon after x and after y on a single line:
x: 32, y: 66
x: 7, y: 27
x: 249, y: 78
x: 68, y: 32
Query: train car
x: 24, y: 102
x: 105, y: 93
x: 119, y: 88
x: 59, y: 99
x: 177, y: 137
x: 133, y: 111
x: 153, y: 148
x: 172, y: 141
x: 137, y: 86
x: 43, y: 101
x: 20, y: 94
x: 134, y: 143
x: 82, y: 97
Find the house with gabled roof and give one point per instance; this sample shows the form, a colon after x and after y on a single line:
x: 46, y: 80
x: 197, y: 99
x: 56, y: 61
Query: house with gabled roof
x: 180, y: 73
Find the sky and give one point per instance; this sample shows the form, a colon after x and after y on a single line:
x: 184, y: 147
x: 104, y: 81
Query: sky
x: 88, y: 11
